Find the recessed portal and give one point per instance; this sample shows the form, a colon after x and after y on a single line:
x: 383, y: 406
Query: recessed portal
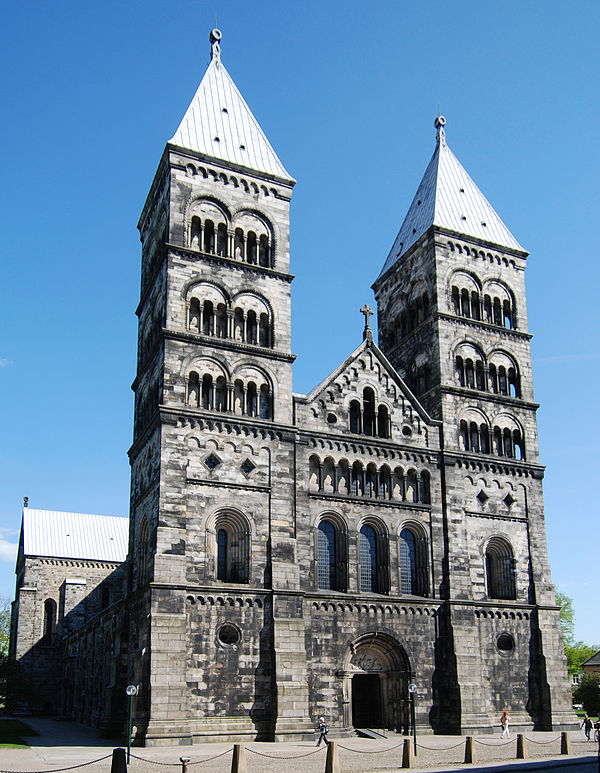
x: 366, y: 700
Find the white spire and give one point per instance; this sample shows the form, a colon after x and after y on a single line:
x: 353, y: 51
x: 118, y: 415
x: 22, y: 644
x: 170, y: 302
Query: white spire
x: 447, y: 197
x: 220, y: 124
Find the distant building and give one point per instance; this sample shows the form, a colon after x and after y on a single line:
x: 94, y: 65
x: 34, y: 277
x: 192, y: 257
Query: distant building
x: 69, y: 569
x: 592, y: 666
x: 296, y: 555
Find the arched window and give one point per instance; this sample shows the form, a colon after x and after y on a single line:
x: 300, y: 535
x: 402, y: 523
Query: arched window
x: 514, y: 387
x: 221, y: 395
x: 487, y: 309
x: 238, y: 248
x: 484, y: 439
x: 500, y: 569
x: 355, y: 417
x: 357, y: 479
x: 251, y: 247
x: 413, y: 563
x: 263, y: 251
x: 465, y: 303
x: 49, y: 620
x: 475, y: 305
x: 507, y: 315
x: 408, y: 578
x: 208, y: 319
x: 193, y: 395
x: 265, y: 402
x: 264, y: 331
x: 479, y: 376
x: 425, y: 487
x: 368, y: 559
x: 460, y: 371
x: 455, y: 300
x: 194, y: 315
x: 326, y: 556
x: 222, y: 239
x: 383, y: 422
x: 232, y: 548
x: 195, y: 234
x: 385, y: 483
x: 221, y: 320
x: 207, y: 392
x: 368, y: 411
x: 371, y: 481
x: 251, y: 399
x: 470, y: 374
x: 209, y: 236
x: 251, y: 327
x: 222, y: 562
x: 474, y: 437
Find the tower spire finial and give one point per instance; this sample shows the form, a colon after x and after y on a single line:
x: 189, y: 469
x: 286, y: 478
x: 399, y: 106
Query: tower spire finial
x: 215, y: 46
x: 439, y: 124
x: 367, y: 332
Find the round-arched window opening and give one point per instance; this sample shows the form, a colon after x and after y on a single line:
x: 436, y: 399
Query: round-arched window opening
x: 406, y: 431
x: 331, y: 418
x: 505, y: 642
x: 229, y: 634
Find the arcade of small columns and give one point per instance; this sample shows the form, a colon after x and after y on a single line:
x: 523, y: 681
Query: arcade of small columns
x: 234, y: 324
x: 330, y: 477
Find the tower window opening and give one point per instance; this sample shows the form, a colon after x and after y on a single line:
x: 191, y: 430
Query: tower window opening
x: 368, y: 560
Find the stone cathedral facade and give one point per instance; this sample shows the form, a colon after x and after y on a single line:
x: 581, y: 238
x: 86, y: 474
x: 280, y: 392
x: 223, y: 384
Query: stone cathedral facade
x: 296, y: 555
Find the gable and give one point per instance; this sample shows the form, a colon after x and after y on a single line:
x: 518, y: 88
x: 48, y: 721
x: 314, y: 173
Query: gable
x: 366, y: 396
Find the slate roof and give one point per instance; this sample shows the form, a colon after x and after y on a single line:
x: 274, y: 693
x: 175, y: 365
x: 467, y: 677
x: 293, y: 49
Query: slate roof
x: 220, y: 124
x: 593, y: 661
x: 74, y: 535
x: 447, y: 197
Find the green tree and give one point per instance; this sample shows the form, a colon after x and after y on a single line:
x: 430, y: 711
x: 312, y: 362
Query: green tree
x: 588, y: 693
x: 567, y: 617
x: 577, y: 652
x: 4, y: 625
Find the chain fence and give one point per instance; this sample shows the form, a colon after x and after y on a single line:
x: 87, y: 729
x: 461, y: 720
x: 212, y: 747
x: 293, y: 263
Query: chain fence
x: 351, y: 754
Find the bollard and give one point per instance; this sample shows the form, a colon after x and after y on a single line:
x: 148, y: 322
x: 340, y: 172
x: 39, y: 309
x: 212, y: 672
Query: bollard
x: 521, y: 748
x: 119, y: 763
x: 564, y: 743
x: 238, y: 761
x: 332, y: 764
x: 407, y: 754
x: 184, y: 763
x: 469, y: 750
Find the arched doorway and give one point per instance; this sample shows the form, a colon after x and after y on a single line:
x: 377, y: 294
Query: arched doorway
x: 375, y: 684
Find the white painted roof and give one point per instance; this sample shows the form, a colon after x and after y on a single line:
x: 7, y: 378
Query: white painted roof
x: 74, y: 535
x: 220, y: 124
x: 449, y: 198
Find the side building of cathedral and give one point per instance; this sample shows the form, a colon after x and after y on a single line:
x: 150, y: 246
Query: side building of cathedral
x: 297, y: 555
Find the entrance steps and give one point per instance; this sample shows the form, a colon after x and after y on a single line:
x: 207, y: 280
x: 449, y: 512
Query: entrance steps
x: 365, y: 732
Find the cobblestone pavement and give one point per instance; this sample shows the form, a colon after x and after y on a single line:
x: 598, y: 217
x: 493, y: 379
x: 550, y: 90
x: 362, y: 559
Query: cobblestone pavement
x: 63, y: 745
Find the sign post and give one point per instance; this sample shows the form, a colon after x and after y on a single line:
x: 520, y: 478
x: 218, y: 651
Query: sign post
x: 131, y: 690
x: 412, y: 689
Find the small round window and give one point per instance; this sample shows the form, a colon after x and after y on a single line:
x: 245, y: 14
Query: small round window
x: 229, y: 634
x: 505, y: 642
x: 406, y: 431
x: 331, y: 418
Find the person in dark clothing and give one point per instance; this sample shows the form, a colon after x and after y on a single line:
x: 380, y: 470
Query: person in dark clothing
x: 322, y: 730
x: 587, y: 726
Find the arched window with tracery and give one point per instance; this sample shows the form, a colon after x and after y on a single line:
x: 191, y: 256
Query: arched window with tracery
x: 413, y: 563
x: 327, y: 556
x: 368, y: 559
x: 368, y: 411
x: 500, y: 569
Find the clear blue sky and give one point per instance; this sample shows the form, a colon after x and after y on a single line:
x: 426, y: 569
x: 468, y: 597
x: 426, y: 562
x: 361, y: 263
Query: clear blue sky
x: 347, y: 93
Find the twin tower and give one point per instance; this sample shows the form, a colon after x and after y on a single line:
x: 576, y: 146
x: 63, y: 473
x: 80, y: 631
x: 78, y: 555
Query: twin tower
x: 291, y: 555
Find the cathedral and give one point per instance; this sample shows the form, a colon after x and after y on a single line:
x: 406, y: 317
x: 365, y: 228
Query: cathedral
x: 295, y: 555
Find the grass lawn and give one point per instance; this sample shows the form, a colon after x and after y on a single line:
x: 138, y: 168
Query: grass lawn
x: 12, y: 732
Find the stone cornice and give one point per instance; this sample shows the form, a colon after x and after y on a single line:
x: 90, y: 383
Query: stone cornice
x: 229, y: 344
x: 496, y: 464
x: 224, y: 262
x: 396, y: 504
x: 491, y: 397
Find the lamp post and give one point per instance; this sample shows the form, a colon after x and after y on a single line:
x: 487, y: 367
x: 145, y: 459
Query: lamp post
x: 130, y: 690
x: 412, y: 689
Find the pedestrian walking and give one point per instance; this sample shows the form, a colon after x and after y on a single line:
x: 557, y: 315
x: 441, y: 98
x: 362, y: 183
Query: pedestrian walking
x: 322, y: 730
x: 505, y: 725
x: 587, y: 725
